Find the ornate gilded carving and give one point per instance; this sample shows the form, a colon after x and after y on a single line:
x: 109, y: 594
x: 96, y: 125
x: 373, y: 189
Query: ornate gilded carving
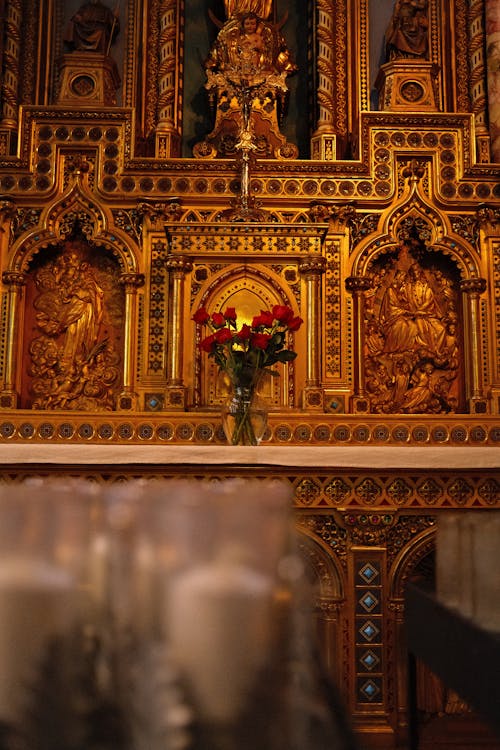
x: 323, y: 143
x: 11, y: 72
x: 246, y: 71
x: 170, y: 81
x: 477, y: 78
x: 412, y: 337
x: 13, y: 278
x: 74, y: 361
x: 405, y: 530
x: 368, y: 529
x: 326, y: 529
x: 488, y: 217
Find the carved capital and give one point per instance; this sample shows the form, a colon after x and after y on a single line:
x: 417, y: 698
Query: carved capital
x: 13, y: 278
x: 330, y: 609
x: 338, y: 216
x: 473, y: 286
x: 132, y: 280
x: 312, y: 264
x: 487, y: 217
x: 178, y: 264
x: 7, y: 210
x: 159, y: 211
x: 357, y: 284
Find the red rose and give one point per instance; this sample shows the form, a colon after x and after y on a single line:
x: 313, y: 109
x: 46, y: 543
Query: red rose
x: 260, y: 340
x: 244, y: 333
x: 294, y: 324
x: 201, y: 316
x: 223, y: 335
x: 267, y: 318
x: 208, y: 344
x: 258, y: 321
x: 282, y: 313
x: 218, y: 320
x: 230, y: 314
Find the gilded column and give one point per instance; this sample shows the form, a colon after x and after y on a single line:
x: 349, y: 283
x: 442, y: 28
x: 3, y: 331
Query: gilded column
x: 357, y: 286
x: 10, y: 80
x: 15, y: 282
x: 312, y: 267
x: 175, y: 397
x: 473, y: 288
x: 323, y: 142
x: 477, y: 80
x: 131, y: 282
x: 168, y: 131
x: 492, y: 11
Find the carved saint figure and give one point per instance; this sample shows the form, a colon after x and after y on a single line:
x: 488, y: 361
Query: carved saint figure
x: 247, y: 47
x: 93, y: 28
x: 410, y: 343
x: 247, y: 68
x: 73, y: 361
x: 407, y: 33
x: 80, y: 313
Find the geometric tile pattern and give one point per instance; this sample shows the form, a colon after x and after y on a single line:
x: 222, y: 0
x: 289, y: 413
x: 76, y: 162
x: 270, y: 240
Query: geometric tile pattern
x: 369, y: 630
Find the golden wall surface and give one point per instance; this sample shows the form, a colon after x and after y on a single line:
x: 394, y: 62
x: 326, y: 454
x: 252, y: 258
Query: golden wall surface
x: 120, y: 216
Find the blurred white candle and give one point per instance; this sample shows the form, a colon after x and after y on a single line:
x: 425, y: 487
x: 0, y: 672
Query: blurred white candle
x: 36, y: 601
x: 448, y: 559
x: 99, y: 572
x: 485, y: 563
x: 218, y: 625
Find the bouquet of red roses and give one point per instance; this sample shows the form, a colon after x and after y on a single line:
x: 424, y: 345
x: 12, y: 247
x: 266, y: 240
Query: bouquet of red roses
x: 244, y: 352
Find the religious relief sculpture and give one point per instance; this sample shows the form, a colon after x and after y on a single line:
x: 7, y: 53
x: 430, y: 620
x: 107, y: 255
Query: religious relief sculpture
x: 407, y: 33
x: 93, y: 28
x: 246, y: 72
x: 74, y: 362
x: 412, y: 349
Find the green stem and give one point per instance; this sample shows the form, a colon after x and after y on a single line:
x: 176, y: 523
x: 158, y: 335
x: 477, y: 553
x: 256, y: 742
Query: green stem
x: 243, y: 424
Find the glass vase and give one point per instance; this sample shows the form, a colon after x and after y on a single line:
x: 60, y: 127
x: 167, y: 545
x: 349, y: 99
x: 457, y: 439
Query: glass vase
x: 244, y: 416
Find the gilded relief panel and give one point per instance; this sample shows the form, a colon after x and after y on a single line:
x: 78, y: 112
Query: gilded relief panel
x: 73, y: 333
x: 413, y: 344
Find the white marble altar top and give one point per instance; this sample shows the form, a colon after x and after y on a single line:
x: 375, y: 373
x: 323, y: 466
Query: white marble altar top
x: 365, y: 457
